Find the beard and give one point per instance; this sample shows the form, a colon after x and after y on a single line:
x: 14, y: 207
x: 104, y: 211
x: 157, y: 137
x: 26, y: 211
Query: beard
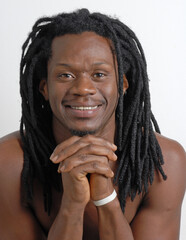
x: 82, y: 133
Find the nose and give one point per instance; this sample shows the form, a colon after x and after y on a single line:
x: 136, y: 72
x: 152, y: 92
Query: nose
x: 82, y: 86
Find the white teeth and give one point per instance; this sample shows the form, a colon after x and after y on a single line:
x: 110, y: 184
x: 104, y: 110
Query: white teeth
x: 84, y: 108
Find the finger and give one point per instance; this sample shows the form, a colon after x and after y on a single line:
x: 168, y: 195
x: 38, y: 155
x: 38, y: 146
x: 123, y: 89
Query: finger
x: 90, y: 149
x: 93, y: 167
x: 63, y: 151
x: 72, y: 162
x: 98, y: 141
x: 74, y: 143
x: 63, y: 145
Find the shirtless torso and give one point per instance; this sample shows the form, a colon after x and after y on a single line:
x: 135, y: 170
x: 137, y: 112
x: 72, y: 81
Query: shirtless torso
x: 82, y: 89
x: 155, y: 215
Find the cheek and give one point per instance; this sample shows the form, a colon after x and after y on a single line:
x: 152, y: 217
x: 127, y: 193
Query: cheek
x: 55, y: 96
x: 111, y: 91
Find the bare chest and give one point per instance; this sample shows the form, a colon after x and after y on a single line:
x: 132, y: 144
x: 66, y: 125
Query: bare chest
x: 90, y: 227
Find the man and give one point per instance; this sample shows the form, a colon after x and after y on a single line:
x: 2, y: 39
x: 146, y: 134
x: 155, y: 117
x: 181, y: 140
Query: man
x: 87, y: 163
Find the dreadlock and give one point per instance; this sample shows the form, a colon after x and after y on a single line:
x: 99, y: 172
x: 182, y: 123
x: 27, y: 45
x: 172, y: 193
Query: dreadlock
x: 138, y: 151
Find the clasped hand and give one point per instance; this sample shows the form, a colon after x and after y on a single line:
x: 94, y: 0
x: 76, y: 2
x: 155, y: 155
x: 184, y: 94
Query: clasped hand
x: 79, y: 156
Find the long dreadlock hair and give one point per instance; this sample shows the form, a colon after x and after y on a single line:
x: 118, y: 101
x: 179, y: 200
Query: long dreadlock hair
x: 139, y: 153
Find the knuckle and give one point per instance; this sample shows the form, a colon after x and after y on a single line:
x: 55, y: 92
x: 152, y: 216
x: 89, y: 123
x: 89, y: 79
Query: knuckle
x: 104, y: 159
x: 73, y: 172
x: 58, y: 148
x: 68, y: 165
x: 78, y: 143
x: 83, y: 157
x: 88, y: 137
x: 108, y: 169
x: 81, y: 144
x: 60, y: 153
x: 63, y: 152
x: 95, y: 165
x: 109, y: 152
x: 84, y: 141
x: 90, y: 147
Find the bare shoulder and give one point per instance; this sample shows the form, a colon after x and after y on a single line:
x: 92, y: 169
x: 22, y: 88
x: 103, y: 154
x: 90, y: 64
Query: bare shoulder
x: 11, y: 160
x: 16, y: 221
x: 11, y: 140
x: 174, y: 157
x: 172, y: 190
x: 11, y: 155
x: 159, y: 215
x: 171, y: 149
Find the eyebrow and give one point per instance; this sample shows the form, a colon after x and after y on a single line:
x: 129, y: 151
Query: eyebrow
x: 94, y: 64
x: 63, y: 64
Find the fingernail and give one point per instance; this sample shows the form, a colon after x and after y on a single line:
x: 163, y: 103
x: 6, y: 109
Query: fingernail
x: 54, y: 159
x: 115, y: 147
x: 52, y: 155
x: 61, y: 169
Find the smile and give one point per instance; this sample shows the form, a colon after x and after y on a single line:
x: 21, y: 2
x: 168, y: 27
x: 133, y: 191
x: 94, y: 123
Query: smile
x: 83, y: 108
x: 83, y: 112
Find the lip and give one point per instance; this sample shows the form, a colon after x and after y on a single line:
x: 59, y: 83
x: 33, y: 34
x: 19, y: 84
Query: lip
x: 84, y: 108
x: 83, y: 111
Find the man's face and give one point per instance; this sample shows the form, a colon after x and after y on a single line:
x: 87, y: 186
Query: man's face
x: 81, y: 85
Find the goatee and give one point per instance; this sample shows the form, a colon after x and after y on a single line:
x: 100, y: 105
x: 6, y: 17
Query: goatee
x: 81, y: 133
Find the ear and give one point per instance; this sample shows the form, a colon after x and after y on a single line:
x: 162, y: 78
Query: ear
x: 125, y: 84
x: 43, y: 88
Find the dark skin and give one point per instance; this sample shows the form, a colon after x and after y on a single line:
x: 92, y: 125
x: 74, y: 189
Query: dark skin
x: 82, y: 73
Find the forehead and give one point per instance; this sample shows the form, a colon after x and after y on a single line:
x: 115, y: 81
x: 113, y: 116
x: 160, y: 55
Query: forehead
x: 70, y: 46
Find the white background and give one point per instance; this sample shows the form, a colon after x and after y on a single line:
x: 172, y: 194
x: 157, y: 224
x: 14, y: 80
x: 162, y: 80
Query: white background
x: 160, y: 26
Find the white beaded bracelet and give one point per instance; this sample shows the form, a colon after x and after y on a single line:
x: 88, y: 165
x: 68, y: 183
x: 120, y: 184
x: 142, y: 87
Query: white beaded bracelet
x: 105, y: 200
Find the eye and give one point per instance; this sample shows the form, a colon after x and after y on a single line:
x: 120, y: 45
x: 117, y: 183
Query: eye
x: 99, y: 75
x: 66, y: 76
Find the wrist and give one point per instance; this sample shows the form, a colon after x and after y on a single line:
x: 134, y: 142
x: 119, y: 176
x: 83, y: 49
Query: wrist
x: 72, y: 206
x: 100, y: 187
x: 105, y: 200
x: 111, y: 206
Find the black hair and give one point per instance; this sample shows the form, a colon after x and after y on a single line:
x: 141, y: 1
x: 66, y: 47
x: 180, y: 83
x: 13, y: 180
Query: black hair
x: 139, y: 153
